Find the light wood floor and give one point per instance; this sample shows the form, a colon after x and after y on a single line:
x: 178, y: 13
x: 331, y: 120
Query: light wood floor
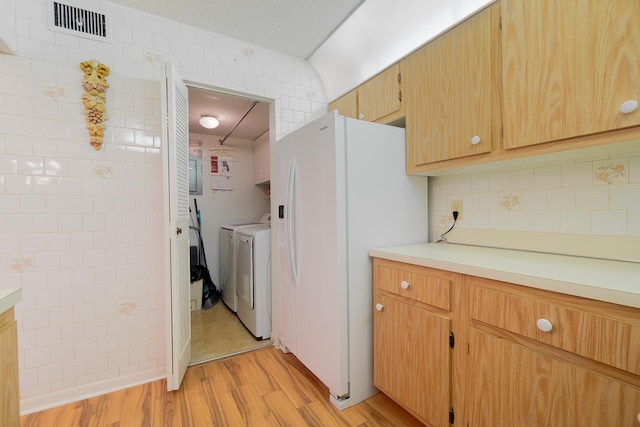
x: 218, y: 332
x: 260, y: 388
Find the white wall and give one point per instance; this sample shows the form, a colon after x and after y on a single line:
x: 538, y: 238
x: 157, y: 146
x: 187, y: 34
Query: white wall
x: 81, y: 230
x: 247, y: 202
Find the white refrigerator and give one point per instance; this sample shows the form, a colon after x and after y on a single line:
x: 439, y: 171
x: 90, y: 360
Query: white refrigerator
x: 339, y: 188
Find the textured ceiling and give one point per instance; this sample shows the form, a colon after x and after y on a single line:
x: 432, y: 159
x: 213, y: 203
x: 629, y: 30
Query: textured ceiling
x: 296, y: 27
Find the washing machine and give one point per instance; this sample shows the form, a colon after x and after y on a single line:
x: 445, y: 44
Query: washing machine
x: 253, y: 276
x: 227, y: 249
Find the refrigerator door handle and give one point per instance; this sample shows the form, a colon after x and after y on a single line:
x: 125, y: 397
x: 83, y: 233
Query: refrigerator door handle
x: 290, y: 221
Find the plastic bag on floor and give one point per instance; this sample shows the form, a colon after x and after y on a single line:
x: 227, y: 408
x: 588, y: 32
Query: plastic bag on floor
x: 210, y: 294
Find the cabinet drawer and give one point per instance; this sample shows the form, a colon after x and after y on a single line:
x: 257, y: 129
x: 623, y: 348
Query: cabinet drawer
x: 422, y: 284
x: 585, y: 327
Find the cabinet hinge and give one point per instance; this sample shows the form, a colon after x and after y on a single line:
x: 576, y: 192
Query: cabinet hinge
x: 400, y: 96
x: 500, y: 24
x: 452, y: 416
x: 452, y: 340
x: 399, y: 78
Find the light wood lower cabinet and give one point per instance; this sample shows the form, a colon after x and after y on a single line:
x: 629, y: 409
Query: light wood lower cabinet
x: 522, y: 356
x: 412, y: 362
x: 513, y: 385
x: 416, y: 378
x: 9, y: 397
x: 539, y: 358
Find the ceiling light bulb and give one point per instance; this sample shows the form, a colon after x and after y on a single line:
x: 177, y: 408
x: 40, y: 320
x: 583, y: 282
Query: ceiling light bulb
x: 209, y: 122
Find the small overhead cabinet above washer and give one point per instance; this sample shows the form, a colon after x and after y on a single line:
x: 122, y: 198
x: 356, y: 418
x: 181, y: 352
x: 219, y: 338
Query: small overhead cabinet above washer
x: 570, y: 68
x: 261, y: 159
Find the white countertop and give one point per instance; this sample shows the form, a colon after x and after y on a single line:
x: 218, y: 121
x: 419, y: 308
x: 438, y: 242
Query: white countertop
x: 9, y: 298
x: 605, y: 280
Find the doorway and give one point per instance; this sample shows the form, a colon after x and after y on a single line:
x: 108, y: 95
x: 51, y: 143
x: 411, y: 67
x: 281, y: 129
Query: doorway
x: 228, y: 185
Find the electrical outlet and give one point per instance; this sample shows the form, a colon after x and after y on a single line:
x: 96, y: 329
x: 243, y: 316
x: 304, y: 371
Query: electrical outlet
x: 456, y: 205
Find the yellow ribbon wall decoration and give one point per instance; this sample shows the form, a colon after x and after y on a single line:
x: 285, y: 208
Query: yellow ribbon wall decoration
x: 95, y: 87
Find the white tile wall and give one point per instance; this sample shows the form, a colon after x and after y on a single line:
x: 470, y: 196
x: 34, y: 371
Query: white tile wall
x: 600, y: 197
x: 62, y: 202
x: 7, y: 26
x: 81, y: 229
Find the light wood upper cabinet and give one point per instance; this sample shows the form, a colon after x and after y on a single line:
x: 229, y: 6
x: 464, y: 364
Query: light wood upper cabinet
x: 448, y: 94
x: 347, y: 105
x: 381, y: 96
x: 568, y: 66
x: 518, y: 79
x: 377, y: 100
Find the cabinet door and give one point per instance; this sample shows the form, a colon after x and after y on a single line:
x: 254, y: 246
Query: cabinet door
x: 448, y: 94
x: 567, y: 67
x: 412, y: 358
x: 9, y: 410
x: 512, y: 385
x: 380, y: 96
x: 347, y: 105
x: 261, y: 159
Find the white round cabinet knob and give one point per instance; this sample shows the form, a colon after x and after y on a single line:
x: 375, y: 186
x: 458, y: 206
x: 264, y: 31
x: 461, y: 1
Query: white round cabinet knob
x: 628, y: 106
x: 379, y: 307
x: 544, y: 325
x: 475, y: 140
x: 404, y: 284
x: 361, y: 116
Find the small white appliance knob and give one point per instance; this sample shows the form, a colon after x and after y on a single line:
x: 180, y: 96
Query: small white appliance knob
x: 404, y: 284
x: 379, y: 307
x: 628, y: 106
x: 475, y: 140
x: 544, y: 325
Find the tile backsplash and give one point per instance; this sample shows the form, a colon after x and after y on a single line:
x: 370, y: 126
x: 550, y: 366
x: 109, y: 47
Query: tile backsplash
x: 594, y: 197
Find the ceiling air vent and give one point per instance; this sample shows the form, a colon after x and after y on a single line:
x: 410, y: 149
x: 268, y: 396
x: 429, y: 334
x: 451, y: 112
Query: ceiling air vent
x: 70, y: 19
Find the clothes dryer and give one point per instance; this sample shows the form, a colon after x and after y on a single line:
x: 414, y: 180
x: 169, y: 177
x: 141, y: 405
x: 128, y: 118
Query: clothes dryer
x: 253, y: 286
x: 227, y: 249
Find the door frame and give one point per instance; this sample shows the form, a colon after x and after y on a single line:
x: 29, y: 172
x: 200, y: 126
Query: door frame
x: 272, y: 136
